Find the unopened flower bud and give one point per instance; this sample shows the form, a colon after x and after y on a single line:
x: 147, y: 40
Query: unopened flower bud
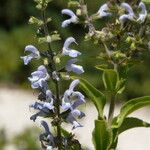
x: 45, y: 61
x: 49, y: 39
x: 78, y: 12
x: 57, y: 60
x: 133, y: 46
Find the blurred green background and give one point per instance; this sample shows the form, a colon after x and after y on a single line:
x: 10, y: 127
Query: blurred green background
x: 16, y: 33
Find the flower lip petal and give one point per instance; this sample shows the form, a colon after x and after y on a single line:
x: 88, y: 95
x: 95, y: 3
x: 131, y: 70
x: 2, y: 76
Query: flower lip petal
x: 73, y: 53
x: 31, y: 48
x: 76, y: 125
x: 65, y: 23
x: 68, y: 12
x: 26, y: 59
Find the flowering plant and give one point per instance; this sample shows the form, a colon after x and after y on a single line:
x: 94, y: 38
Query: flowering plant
x: 122, y: 40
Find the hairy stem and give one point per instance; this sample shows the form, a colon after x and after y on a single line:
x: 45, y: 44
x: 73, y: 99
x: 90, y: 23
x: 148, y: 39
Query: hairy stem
x: 53, y: 68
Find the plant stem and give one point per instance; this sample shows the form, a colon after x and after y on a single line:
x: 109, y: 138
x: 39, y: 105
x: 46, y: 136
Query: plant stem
x: 111, y: 108
x: 53, y: 68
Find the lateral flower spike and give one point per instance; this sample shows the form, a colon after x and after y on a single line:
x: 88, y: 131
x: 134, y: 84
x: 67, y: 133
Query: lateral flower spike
x: 104, y: 11
x: 68, y: 51
x: 34, y: 54
x: 143, y: 13
x: 129, y: 16
x: 73, y: 19
x: 73, y: 67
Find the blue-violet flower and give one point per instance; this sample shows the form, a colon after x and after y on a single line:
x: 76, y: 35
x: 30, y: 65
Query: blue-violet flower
x: 68, y: 51
x: 73, y: 19
x: 34, y: 54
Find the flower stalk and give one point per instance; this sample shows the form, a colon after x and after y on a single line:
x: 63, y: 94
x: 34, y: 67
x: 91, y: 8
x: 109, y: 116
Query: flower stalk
x: 53, y: 68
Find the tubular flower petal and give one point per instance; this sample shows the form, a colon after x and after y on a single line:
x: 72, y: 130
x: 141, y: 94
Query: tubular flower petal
x: 45, y: 126
x: 103, y: 11
x: 143, y: 13
x: 129, y: 16
x: 67, y: 50
x: 73, y: 67
x: 38, y: 77
x: 73, y: 84
x: 34, y: 54
x: 73, y: 17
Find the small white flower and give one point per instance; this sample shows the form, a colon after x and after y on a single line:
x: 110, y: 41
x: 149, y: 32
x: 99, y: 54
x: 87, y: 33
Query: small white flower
x: 73, y: 19
x: 38, y: 77
x: 68, y: 51
x: 103, y: 11
x: 73, y: 67
x: 143, y: 13
x: 129, y: 16
x: 34, y: 54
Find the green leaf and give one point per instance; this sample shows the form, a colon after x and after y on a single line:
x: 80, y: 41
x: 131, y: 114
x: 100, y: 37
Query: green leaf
x: 93, y: 94
x: 101, y: 67
x: 110, y: 79
x: 65, y: 132
x: 129, y: 107
x: 130, y: 123
x: 102, y: 135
